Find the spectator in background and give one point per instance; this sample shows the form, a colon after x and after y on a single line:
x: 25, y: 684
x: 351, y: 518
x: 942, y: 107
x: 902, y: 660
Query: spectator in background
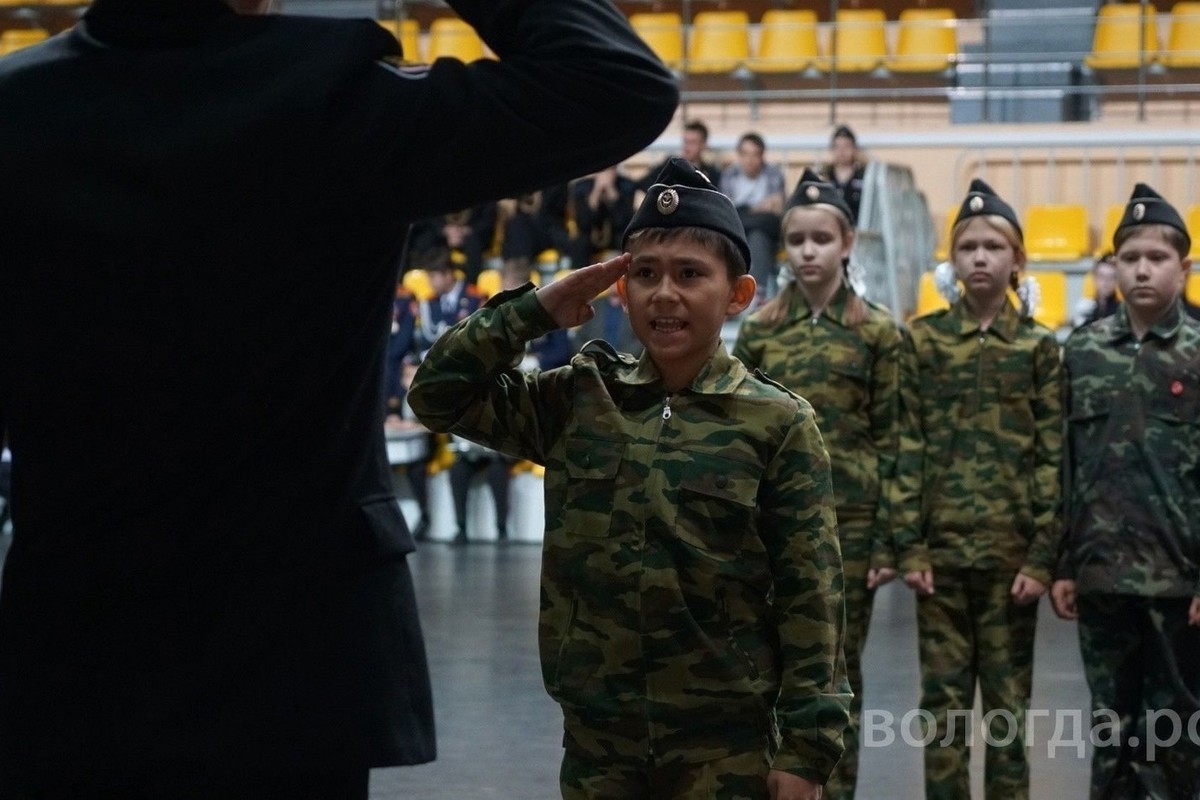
x: 603, y: 208
x: 845, y: 170
x: 1104, y: 303
x: 695, y: 141
x: 536, y: 221
x: 401, y: 350
x: 469, y: 232
x: 758, y: 191
x: 453, y: 300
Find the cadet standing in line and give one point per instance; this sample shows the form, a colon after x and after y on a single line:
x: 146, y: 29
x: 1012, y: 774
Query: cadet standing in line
x: 1130, y: 571
x: 691, y: 621
x: 981, y: 462
x: 822, y: 340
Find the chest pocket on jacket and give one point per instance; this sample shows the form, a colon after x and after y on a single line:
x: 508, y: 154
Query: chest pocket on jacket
x: 849, y: 382
x: 592, y: 466
x: 1173, y: 420
x: 718, y: 501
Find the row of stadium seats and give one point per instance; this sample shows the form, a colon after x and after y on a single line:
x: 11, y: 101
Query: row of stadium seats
x: 1060, y: 232
x: 926, y: 40
x: 1120, y: 27
x: 416, y: 281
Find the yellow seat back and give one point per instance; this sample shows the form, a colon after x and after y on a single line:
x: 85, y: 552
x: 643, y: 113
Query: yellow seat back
x: 860, y: 39
x: 927, y: 41
x: 787, y: 41
x: 1056, y: 232
x: 1112, y: 218
x: 416, y: 281
x: 1052, y: 309
x: 928, y: 298
x: 1115, y: 41
x: 1192, y: 221
x: 720, y: 41
x: 662, y: 33
x: 1183, y: 36
x: 943, y: 249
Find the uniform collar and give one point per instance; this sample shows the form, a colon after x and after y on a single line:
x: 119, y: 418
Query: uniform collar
x: 1004, y: 325
x: 835, y: 310
x: 134, y: 23
x: 720, y: 375
x: 1166, y: 328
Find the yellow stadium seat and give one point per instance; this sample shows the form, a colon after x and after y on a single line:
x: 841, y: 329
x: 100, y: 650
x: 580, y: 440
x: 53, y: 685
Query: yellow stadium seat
x: 663, y: 33
x: 450, y: 37
x: 1183, y: 36
x: 1052, y: 310
x: 407, y: 32
x: 787, y: 41
x: 489, y: 282
x: 928, y: 298
x: 1192, y: 287
x: 1112, y: 218
x: 1192, y: 221
x: 416, y: 281
x: 15, y: 39
x: 1056, y: 232
x: 927, y: 41
x: 943, y: 249
x: 1115, y: 41
x: 860, y: 40
x: 720, y: 42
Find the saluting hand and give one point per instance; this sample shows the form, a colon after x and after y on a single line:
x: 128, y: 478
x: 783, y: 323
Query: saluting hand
x: 569, y: 299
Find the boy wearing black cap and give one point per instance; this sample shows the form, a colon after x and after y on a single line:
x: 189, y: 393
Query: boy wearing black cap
x: 976, y: 512
x: 691, y: 620
x: 1130, y: 571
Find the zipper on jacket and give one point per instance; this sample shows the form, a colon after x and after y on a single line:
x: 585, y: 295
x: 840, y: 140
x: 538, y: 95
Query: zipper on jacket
x: 666, y: 408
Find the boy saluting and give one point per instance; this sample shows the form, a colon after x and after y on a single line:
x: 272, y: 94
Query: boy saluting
x: 691, y: 614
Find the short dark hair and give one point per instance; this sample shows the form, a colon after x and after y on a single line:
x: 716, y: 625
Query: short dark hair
x: 754, y: 139
x: 699, y: 127
x: 719, y: 243
x: 844, y: 132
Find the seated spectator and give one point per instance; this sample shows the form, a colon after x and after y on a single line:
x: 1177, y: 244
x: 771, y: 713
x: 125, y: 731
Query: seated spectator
x: 845, y: 169
x: 695, y: 140
x: 452, y: 302
x: 1105, y: 302
x: 469, y: 232
x: 603, y: 208
x: 757, y: 190
x: 536, y: 222
x: 401, y: 350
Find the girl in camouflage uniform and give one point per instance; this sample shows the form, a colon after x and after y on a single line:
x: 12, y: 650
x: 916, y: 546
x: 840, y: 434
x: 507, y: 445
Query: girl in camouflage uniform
x: 822, y: 340
x: 978, y: 525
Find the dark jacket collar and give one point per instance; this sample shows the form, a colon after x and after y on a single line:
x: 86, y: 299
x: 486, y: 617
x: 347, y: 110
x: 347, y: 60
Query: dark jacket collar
x: 150, y: 23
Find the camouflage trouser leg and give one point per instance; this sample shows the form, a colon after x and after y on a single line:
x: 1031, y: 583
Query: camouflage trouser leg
x: 969, y: 630
x: 738, y: 777
x: 856, y: 556
x: 1139, y: 655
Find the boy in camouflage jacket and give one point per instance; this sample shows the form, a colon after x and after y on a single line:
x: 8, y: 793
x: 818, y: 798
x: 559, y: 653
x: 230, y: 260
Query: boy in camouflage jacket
x: 1130, y: 571
x: 691, y: 619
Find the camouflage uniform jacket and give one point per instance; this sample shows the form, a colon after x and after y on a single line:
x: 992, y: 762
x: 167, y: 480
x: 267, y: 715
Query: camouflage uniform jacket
x: 850, y: 375
x: 1133, y: 471
x: 691, y: 603
x: 978, y: 476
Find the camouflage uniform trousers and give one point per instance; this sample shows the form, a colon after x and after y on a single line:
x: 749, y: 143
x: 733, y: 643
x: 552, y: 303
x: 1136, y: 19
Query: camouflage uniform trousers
x: 855, y: 535
x: 970, y: 630
x: 1139, y: 655
x: 735, y: 777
